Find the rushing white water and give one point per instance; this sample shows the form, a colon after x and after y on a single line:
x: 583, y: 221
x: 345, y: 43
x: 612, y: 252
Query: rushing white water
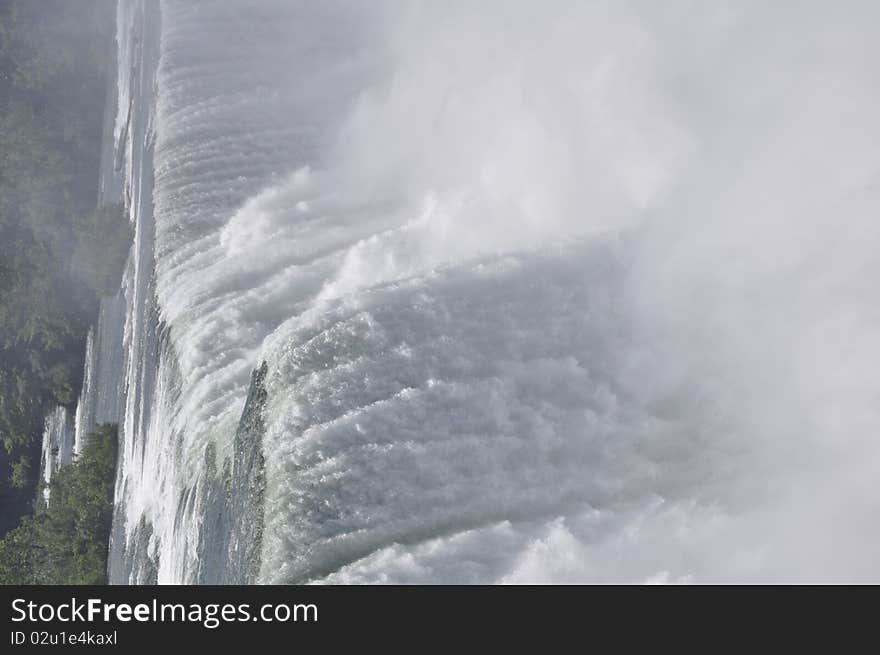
x: 565, y: 292
x: 57, y: 448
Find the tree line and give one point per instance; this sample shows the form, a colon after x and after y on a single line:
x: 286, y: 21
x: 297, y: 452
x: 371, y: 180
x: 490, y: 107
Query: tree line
x: 66, y: 541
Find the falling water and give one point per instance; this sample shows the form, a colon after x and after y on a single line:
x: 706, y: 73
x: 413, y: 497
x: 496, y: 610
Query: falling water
x: 57, y: 448
x: 420, y: 292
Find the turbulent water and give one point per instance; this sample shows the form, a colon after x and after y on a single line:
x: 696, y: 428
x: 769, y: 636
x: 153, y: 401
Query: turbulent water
x: 427, y: 292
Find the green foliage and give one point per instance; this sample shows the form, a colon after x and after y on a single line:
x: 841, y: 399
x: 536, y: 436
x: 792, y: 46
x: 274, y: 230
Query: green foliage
x: 17, y: 554
x: 21, y: 473
x: 55, y: 56
x: 66, y: 541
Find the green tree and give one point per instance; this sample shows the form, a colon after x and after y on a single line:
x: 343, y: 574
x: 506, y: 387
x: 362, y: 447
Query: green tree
x: 21, y: 473
x: 67, y: 539
x: 17, y: 555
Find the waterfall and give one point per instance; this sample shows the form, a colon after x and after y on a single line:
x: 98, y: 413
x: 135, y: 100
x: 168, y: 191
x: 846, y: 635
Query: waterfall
x: 85, y: 408
x: 99, y: 400
x: 420, y: 293
x: 57, y: 448
x: 137, y: 52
